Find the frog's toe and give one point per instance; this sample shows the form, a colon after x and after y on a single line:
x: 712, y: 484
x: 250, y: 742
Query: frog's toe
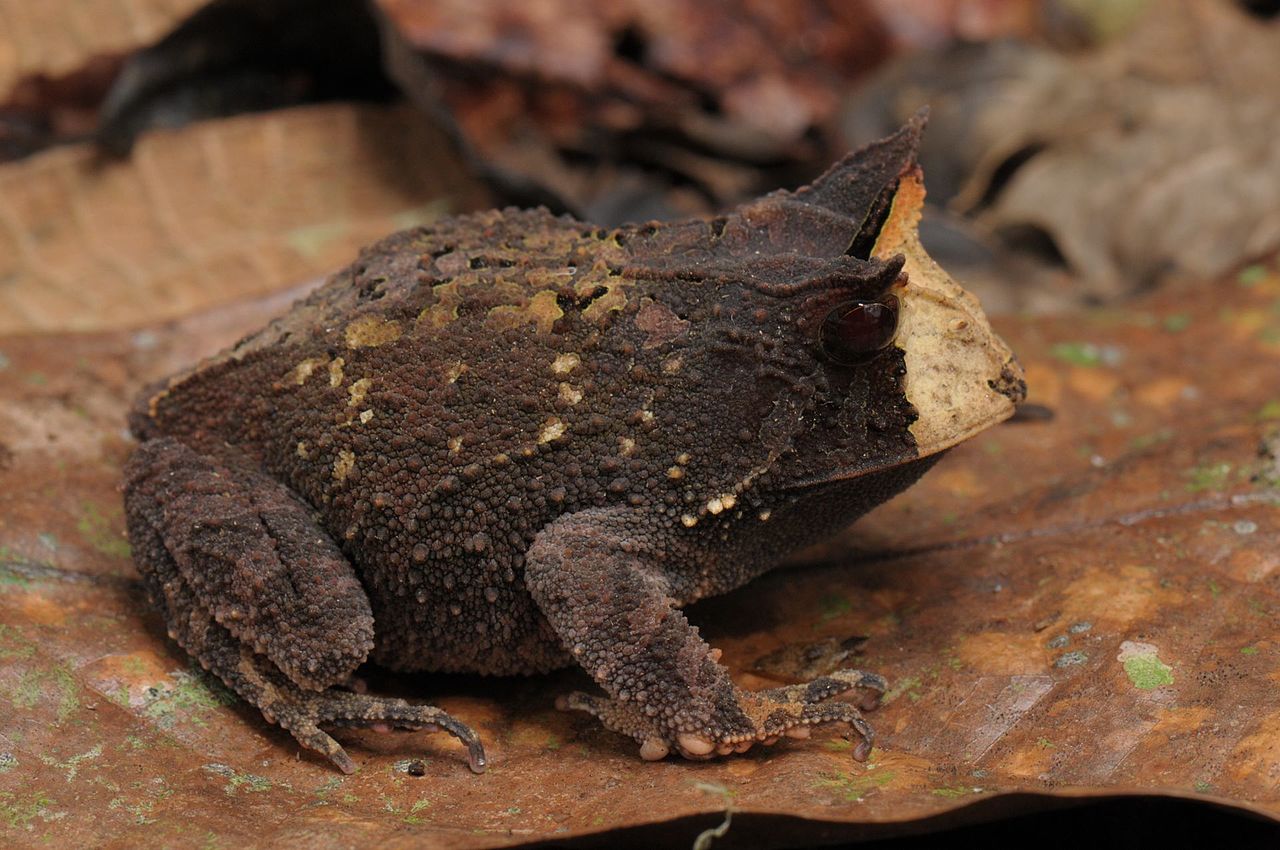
x: 304, y: 715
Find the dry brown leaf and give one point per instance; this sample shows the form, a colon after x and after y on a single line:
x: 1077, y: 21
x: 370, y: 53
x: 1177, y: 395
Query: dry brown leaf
x: 1079, y: 606
x: 58, y: 37
x: 574, y: 97
x: 1152, y: 158
x: 213, y: 212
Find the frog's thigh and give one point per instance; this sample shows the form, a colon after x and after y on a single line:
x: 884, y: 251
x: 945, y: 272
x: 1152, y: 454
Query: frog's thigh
x: 231, y: 547
x: 609, y: 602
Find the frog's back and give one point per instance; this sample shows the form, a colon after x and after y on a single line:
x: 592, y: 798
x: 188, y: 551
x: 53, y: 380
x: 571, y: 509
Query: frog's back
x: 430, y: 289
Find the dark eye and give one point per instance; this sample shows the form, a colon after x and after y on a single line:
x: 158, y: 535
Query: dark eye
x: 856, y: 331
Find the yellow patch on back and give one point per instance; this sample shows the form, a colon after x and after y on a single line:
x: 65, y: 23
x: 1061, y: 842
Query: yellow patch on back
x: 445, y: 309
x: 552, y: 429
x: 358, y: 390
x: 304, y: 370
x: 542, y: 310
x: 570, y: 394
x: 371, y: 332
x: 342, y: 467
x: 565, y: 363
x: 613, y: 299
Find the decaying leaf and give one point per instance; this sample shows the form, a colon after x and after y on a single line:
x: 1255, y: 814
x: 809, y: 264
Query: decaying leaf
x: 1069, y: 606
x: 251, y: 204
x: 614, y: 104
x: 58, y: 37
x: 1150, y: 158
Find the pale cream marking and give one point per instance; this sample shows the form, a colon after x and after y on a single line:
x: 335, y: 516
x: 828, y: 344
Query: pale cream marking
x: 455, y: 371
x: 689, y: 520
x: 302, y: 450
x: 455, y: 445
x: 626, y: 446
x: 335, y: 372
x: 672, y: 364
x: 357, y: 391
x: 569, y: 393
x: 342, y: 466
x: 613, y: 299
x: 683, y: 458
x: 445, y: 309
x: 305, y: 369
x: 675, y: 473
x: 371, y: 332
x: 565, y: 363
x: 552, y: 429
x: 542, y: 310
x: 765, y: 514
x: 365, y: 416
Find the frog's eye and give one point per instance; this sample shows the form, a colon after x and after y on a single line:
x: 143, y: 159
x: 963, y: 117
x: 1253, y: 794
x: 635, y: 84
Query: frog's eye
x: 856, y: 331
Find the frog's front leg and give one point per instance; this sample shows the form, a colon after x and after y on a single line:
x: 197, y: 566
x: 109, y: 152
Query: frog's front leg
x: 609, y: 599
x: 258, y: 593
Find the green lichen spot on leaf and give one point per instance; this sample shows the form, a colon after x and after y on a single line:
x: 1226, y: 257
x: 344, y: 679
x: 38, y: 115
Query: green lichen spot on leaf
x: 19, y: 812
x: 192, y: 696
x: 833, y: 605
x: 1209, y: 476
x: 1252, y: 275
x: 1146, y: 441
x: 8, y: 761
x: 1078, y: 353
x: 10, y: 580
x: 1177, y: 322
x: 1269, y: 412
x: 101, y: 532
x: 853, y: 787
x: 909, y: 685
x: 1248, y: 650
x: 72, y: 764
x: 951, y: 792
x: 1045, y: 744
x: 33, y: 686
x: 1148, y: 672
x: 13, y: 645
x: 237, y: 781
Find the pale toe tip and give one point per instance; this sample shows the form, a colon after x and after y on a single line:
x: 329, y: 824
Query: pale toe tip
x: 654, y: 750
x: 695, y: 745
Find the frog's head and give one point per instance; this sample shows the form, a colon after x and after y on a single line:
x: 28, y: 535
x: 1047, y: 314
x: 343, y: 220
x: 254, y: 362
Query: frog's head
x: 866, y: 354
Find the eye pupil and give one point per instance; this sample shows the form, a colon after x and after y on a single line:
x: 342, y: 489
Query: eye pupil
x: 857, y: 330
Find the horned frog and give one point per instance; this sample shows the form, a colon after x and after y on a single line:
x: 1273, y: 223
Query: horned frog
x: 510, y: 442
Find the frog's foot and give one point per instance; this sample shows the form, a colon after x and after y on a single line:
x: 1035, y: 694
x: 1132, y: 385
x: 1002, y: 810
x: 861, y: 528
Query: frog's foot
x: 304, y: 713
x: 790, y: 711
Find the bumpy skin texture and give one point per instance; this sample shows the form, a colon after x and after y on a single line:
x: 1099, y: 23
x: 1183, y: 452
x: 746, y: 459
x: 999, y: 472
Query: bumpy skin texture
x: 510, y: 442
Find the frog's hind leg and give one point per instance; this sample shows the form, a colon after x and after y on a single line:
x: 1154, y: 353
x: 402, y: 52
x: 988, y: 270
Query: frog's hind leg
x: 254, y: 589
